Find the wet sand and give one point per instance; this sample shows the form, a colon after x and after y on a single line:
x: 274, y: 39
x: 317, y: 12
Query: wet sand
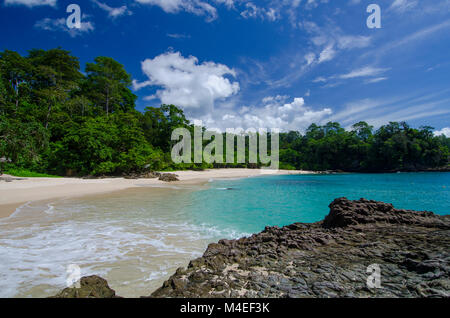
x: 135, y: 238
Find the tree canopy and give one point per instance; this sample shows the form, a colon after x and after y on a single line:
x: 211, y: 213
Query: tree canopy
x: 56, y: 119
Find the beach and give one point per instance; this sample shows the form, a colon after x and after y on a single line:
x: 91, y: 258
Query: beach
x: 16, y: 193
x: 137, y: 233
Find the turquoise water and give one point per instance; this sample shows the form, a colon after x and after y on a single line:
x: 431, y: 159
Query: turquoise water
x: 253, y: 203
x: 138, y: 237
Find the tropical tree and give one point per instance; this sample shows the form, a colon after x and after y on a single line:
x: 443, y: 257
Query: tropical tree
x: 108, y: 85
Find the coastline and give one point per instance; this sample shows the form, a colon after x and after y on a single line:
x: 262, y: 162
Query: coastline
x: 331, y: 258
x: 16, y: 193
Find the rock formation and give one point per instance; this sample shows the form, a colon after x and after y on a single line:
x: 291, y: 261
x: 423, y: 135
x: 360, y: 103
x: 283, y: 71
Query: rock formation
x: 168, y: 177
x: 327, y: 259
x: 143, y: 175
x: 331, y: 258
x: 90, y: 287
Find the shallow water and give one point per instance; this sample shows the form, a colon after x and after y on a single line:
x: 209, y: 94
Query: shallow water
x: 137, y: 238
x: 251, y: 204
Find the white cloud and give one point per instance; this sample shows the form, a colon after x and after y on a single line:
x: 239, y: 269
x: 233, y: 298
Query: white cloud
x: 196, y: 7
x: 366, y: 71
x: 278, y: 98
x: 113, y: 12
x: 206, y: 93
x: 331, y: 40
x: 186, y: 83
x: 403, y: 5
x: 228, y: 3
x: 444, y: 131
x: 60, y: 24
x: 178, y: 36
x: 327, y: 54
x: 352, y: 41
x: 415, y: 38
x: 269, y: 10
x: 319, y: 79
x: 275, y: 112
x: 253, y: 11
x: 31, y: 3
x: 376, y: 80
x: 378, y: 112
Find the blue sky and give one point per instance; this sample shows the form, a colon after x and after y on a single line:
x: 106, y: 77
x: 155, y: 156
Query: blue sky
x: 260, y: 63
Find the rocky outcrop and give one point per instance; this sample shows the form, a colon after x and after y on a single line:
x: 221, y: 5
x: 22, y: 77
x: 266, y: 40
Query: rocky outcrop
x: 168, y: 177
x: 345, y: 213
x: 143, y: 175
x: 327, y: 259
x: 90, y: 287
x: 8, y: 178
x: 331, y: 258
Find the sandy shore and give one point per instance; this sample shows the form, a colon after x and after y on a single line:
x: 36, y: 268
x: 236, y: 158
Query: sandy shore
x: 16, y: 193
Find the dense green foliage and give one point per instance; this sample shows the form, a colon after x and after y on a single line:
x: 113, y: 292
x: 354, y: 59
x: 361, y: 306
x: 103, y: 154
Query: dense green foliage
x: 24, y: 173
x: 54, y: 119
x: 395, y: 146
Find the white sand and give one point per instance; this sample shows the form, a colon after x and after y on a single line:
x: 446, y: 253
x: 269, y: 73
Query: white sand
x: 13, y: 194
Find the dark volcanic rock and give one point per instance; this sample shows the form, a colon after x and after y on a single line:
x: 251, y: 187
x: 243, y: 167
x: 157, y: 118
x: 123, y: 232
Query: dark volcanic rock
x: 345, y: 213
x: 327, y: 259
x: 90, y: 287
x: 143, y: 175
x: 324, y: 259
x: 168, y: 177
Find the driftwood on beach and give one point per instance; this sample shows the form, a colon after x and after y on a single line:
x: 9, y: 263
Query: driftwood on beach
x: 332, y: 258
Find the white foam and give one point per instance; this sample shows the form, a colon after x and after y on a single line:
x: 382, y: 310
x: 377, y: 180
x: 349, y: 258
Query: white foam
x: 36, y: 250
x: 50, y: 210
x: 17, y: 211
x: 156, y: 275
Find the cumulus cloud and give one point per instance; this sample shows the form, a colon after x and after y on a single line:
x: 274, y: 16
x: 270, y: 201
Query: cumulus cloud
x: 444, y: 131
x: 60, y: 24
x: 196, y: 7
x: 187, y: 83
x: 31, y: 3
x: 207, y: 92
x: 274, y: 112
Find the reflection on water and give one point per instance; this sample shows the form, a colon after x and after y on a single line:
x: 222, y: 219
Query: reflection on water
x: 135, y: 239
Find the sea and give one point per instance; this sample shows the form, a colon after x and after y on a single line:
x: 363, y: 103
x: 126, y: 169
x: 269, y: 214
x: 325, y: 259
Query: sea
x: 137, y: 238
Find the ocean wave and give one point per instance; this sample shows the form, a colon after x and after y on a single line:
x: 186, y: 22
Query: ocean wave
x: 37, y: 248
x: 16, y: 212
x: 50, y: 210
